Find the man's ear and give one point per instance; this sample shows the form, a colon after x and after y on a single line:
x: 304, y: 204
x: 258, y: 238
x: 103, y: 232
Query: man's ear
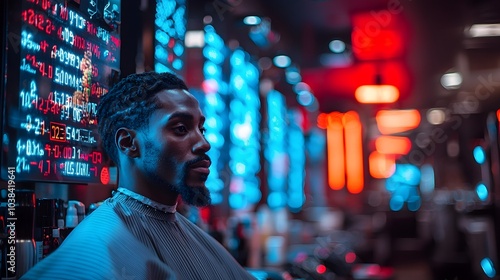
x: 126, y: 142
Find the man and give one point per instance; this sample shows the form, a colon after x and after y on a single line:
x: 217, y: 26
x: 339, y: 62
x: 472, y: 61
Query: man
x: 152, y: 127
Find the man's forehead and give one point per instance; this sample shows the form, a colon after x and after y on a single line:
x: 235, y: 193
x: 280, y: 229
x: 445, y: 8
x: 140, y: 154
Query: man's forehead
x: 173, y: 99
x: 174, y: 95
x: 177, y: 103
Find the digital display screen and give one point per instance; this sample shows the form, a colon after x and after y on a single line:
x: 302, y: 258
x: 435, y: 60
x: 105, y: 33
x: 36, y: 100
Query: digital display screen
x: 62, y: 57
x: 170, y: 30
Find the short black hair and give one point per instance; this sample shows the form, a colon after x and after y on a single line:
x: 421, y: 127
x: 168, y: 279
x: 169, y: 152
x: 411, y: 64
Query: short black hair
x: 130, y: 104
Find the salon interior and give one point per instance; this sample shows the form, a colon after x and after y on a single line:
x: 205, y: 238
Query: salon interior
x: 351, y: 139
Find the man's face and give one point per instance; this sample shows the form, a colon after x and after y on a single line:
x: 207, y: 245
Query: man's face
x: 174, y: 148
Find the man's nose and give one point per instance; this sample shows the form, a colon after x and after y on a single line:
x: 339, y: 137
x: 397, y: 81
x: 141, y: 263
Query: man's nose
x: 202, y: 145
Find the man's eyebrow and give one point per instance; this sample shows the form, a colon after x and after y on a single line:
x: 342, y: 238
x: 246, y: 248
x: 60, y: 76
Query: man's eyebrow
x: 181, y: 115
x: 184, y: 115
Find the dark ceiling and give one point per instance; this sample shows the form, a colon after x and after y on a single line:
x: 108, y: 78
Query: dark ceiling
x: 436, y: 45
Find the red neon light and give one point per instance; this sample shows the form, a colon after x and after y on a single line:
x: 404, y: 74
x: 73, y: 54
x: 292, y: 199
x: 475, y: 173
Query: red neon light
x: 105, y: 176
x: 326, y: 82
x: 378, y: 35
x: 321, y: 269
x: 350, y: 257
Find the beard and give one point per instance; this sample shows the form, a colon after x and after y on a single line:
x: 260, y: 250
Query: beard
x: 192, y: 195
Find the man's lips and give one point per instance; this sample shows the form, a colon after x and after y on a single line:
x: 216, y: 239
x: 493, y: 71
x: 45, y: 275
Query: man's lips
x: 201, y: 166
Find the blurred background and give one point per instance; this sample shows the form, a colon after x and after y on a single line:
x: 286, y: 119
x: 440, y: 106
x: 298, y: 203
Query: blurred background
x: 350, y: 139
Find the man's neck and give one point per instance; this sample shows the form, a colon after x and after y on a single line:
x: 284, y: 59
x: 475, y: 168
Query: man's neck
x: 156, y: 194
x: 147, y: 201
x: 150, y: 190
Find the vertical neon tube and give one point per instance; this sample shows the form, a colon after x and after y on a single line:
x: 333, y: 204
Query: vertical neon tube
x: 354, y: 152
x: 335, y: 150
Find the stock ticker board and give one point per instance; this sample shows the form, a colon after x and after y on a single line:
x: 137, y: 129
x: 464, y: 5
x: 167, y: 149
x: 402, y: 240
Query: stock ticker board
x: 62, y: 57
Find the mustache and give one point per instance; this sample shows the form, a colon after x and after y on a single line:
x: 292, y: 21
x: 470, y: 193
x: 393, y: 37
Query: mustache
x: 198, y: 159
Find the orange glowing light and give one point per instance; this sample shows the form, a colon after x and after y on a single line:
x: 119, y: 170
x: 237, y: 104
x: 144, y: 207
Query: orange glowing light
x: 498, y: 115
x: 395, y: 145
x: 395, y: 121
x: 335, y: 150
x: 344, y: 149
x: 377, y: 94
x: 322, y: 120
x: 354, y: 152
x: 381, y: 166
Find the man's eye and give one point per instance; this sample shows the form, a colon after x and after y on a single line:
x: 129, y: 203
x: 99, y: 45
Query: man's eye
x: 203, y: 130
x: 181, y: 129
